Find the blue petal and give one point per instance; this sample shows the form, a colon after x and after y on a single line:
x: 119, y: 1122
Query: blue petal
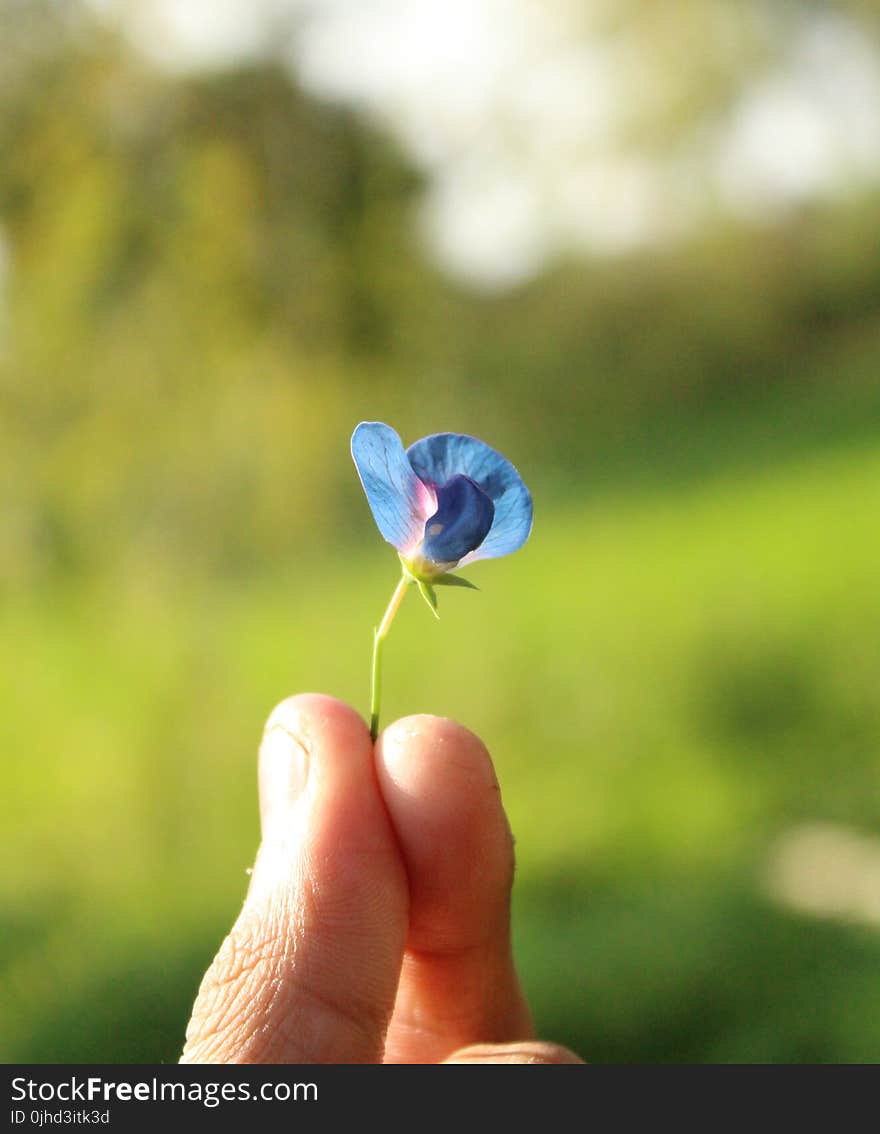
x: 440, y: 457
x: 394, y: 492
x: 463, y: 518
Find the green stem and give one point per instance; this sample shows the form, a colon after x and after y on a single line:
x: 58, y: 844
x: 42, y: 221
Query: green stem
x: 379, y: 636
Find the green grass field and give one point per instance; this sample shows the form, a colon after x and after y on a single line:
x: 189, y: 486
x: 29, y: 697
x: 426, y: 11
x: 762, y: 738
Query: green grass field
x: 667, y: 680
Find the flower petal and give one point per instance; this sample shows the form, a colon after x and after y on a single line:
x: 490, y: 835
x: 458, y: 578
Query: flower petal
x: 463, y: 518
x: 440, y: 457
x: 400, y: 503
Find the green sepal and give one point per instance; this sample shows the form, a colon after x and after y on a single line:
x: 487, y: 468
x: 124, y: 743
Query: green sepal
x: 427, y: 593
x: 455, y: 581
x: 407, y: 570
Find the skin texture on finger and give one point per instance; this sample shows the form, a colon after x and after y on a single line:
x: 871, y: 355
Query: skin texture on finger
x: 531, y: 1052
x: 309, y: 971
x: 458, y: 985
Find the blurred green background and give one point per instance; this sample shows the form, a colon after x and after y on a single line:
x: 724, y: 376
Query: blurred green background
x: 209, y: 276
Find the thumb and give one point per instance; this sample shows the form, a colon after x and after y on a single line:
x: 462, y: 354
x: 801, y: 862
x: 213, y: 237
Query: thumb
x: 309, y: 972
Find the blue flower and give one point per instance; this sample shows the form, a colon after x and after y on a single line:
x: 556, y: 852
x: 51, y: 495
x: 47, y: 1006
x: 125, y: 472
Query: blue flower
x: 446, y: 501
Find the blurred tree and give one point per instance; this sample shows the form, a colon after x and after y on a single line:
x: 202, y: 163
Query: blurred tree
x: 191, y: 258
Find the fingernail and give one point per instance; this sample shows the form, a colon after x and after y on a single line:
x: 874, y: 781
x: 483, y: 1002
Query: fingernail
x: 284, y: 767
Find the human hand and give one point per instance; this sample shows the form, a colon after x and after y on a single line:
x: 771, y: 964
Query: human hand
x: 377, y: 923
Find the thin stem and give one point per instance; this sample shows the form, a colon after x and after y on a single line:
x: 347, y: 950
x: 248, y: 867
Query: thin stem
x: 379, y: 637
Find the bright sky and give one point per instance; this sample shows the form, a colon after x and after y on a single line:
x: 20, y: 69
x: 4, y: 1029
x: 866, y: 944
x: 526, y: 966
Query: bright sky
x: 523, y: 115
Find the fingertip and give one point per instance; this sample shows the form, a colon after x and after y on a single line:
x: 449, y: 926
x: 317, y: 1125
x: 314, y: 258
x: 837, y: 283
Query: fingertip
x: 308, y: 716
x: 425, y: 754
x: 305, y: 738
